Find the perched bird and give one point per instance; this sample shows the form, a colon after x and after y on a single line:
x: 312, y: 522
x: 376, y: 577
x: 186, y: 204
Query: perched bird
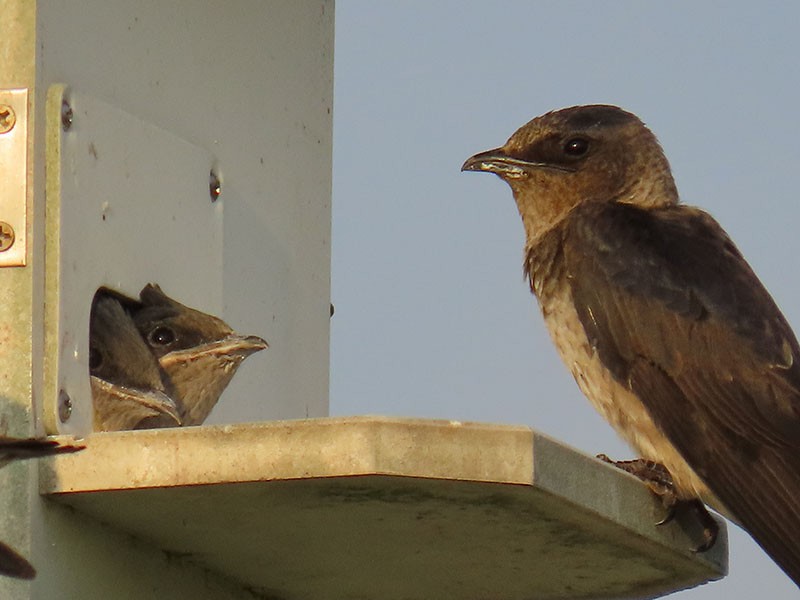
x: 661, y: 321
x: 198, y: 352
x: 13, y: 564
x: 127, y: 388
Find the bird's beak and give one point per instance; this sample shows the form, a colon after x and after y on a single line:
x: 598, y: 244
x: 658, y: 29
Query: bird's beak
x: 246, y: 344
x: 494, y: 161
x: 153, y: 399
x: 162, y: 403
x: 234, y: 346
x: 498, y: 162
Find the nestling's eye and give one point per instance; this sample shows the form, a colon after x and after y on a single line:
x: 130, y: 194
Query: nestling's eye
x: 576, y: 146
x: 95, y: 359
x: 161, y: 336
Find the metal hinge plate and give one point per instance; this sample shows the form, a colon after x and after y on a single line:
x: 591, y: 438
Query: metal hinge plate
x: 14, y: 176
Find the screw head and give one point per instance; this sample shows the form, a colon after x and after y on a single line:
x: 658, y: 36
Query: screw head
x: 66, y: 114
x: 6, y: 236
x: 64, y: 406
x: 214, y: 186
x: 7, y: 118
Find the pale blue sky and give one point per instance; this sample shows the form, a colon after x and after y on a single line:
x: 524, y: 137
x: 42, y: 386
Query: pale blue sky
x: 433, y: 317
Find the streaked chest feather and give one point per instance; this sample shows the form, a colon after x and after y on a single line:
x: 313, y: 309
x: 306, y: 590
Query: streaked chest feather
x: 614, y: 401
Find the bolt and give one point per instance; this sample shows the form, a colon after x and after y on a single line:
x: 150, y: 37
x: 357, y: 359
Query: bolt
x: 6, y: 236
x: 7, y: 118
x: 214, y: 186
x: 66, y: 114
x: 64, y: 406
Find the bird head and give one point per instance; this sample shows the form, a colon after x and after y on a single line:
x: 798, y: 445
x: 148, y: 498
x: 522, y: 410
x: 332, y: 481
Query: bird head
x: 126, y: 380
x: 168, y: 326
x: 198, y: 352
x: 595, y: 153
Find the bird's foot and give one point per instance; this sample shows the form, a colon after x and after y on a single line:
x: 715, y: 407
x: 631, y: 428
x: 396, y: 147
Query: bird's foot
x: 655, y: 476
x: 658, y: 478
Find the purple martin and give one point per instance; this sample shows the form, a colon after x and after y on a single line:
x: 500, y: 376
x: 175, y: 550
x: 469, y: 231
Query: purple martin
x: 13, y: 564
x: 127, y: 387
x: 663, y: 324
x: 12, y: 449
x: 198, y: 352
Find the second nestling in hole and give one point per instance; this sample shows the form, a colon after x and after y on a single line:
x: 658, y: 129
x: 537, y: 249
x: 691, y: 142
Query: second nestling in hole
x: 155, y: 362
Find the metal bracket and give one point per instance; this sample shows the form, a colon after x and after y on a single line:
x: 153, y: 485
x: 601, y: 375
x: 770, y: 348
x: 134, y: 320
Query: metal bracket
x: 14, y: 175
x: 127, y: 203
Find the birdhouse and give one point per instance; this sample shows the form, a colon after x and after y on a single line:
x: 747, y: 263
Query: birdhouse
x: 189, y: 145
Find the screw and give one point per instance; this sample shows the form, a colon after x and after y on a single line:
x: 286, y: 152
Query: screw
x: 6, y: 236
x: 64, y: 406
x: 214, y: 186
x: 7, y: 118
x: 66, y: 114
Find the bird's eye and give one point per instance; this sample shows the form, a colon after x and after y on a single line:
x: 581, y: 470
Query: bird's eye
x: 576, y: 146
x: 95, y: 359
x: 161, y: 336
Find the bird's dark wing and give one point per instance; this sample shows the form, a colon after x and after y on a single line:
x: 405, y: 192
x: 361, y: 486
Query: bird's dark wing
x: 677, y: 316
x: 13, y: 564
x: 21, y: 448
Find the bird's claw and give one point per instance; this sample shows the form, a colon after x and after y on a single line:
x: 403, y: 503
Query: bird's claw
x: 671, y: 512
x: 709, y: 523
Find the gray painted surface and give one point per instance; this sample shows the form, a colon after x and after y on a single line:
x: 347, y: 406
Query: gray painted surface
x: 248, y: 87
x: 249, y: 83
x: 376, y: 507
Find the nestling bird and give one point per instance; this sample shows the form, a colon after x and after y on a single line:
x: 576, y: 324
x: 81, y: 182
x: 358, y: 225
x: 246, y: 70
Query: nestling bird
x: 198, y: 352
x: 13, y: 564
x: 661, y: 321
x: 127, y: 388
